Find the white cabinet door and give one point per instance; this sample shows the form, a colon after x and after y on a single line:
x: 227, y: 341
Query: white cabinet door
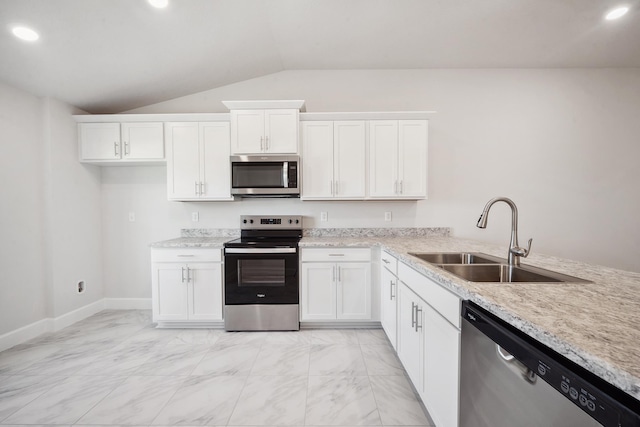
x: 183, y: 160
x: 383, y: 158
x: 205, y: 291
x: 142, y: 141
x: 247, y: 131
x: 317, y: 160
x: 349, y: 140
x: 281, y: 131
x: 264, y: 131
x: 353, y: 290
x: 214, y: 160
x: 318, y: 291
x: 409, y: 339
x: 441, y: 368
x: 412, y: 158
x: 99, y: 141
x: 388, y: 304
x: 170, y: 289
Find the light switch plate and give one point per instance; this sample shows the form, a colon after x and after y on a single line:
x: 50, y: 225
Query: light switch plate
x: 387, y: 216
x: 132, y: 217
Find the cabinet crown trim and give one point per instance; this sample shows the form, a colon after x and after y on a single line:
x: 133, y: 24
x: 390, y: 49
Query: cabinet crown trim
x: 176, y: 117
x: 265, y: 105
x: 370, y: 115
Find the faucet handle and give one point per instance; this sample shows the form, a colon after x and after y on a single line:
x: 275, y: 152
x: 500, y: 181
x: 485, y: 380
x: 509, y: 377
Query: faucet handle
x: 526, y: 253
x: 518, y: 251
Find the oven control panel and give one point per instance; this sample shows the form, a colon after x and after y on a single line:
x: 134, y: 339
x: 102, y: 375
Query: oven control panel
x: 257, y: 222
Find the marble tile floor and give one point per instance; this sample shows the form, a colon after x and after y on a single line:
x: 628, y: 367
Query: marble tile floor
x: 116, y: 369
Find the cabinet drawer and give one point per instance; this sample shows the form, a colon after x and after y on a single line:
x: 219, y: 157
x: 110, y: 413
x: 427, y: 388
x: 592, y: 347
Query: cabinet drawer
x: 389, y: 262
x: 444, y: 302
x: 336, y: 254
x: 186, y: 255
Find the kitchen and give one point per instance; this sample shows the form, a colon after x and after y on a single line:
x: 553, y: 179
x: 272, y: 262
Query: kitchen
x: 556, y: 139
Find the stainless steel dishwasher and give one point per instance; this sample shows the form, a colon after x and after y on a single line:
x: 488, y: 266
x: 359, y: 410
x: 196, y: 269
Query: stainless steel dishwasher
x: 508, y: 379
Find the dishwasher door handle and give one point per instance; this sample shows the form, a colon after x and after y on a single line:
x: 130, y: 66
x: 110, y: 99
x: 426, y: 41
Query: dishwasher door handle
x: 503, y: 354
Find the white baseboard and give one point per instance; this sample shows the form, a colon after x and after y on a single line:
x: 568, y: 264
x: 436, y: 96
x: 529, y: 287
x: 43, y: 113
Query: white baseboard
x: 25, y: 333
x: 127, y: 303
x: 77, y: 315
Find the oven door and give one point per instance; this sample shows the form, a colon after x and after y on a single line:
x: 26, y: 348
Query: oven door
x: 261, y: 276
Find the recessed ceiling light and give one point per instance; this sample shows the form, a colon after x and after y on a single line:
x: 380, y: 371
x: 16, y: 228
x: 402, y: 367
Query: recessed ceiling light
x: 616, y: 13
x: 160, y: 4
x: 25, y: 33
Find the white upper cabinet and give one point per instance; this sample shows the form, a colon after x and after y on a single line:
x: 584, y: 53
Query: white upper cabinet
x: 317, y: 160
x: 398, y: 159
x: 198, y: 165
x: 264, y: 131
x: 349, y: 171
x: 136, y: 142
x: 333, y: 160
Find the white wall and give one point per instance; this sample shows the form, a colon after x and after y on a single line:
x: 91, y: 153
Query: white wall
x: 50, y: 220
x: 73, y: 214
x: 23, y: 294
x: 560, y: 143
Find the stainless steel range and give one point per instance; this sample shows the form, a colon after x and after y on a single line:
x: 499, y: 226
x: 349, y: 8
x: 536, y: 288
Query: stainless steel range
x: 261, y: 285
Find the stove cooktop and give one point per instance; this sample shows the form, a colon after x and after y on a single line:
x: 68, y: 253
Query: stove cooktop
x: 268, y: 232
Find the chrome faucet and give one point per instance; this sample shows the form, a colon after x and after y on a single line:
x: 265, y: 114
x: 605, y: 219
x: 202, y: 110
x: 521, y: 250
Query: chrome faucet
x: 515, y: 251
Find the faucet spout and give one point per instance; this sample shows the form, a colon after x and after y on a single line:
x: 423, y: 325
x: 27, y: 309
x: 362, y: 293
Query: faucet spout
x: 515, y: 251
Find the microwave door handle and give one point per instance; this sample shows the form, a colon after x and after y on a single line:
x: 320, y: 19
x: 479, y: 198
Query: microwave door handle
x: 285, y: 174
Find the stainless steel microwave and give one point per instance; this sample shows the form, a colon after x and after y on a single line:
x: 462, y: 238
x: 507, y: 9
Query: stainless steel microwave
x: 265, y: 176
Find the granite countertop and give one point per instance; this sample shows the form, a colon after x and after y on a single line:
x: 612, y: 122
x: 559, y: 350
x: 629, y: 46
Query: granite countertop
x: 596, y: 325
x: 192, y: 242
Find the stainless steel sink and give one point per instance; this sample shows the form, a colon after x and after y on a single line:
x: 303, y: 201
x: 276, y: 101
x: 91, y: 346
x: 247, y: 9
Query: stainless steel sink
x: 479, y: 267
x: 457, y: 258
x: 506, y: 273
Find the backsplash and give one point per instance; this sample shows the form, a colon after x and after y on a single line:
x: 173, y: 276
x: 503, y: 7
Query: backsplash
x: 210, y: 232
x: 329, y: 232
x: 376, y: 232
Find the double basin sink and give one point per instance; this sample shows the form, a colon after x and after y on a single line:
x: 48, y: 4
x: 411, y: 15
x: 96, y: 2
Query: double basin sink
x: 479, y: 267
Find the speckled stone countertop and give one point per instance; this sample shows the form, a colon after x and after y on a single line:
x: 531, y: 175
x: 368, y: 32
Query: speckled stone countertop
x: 596, y: 325
x: 199, y: 238
x: 192, y: 242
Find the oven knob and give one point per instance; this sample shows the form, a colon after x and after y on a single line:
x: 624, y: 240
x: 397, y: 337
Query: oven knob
x: 297, y: 221
x: 244, y: 220
x: 251, y: 221
x: 290, y: 221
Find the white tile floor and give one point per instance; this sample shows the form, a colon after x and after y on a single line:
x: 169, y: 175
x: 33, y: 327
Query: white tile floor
x: 115, y: 369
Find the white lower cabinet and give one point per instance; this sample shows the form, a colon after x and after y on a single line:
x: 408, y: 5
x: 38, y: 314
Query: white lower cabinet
x: 186, y: 286
x: 428, y: 342
x: 331, y: 290
x: 441, y: 377
x: 389, y: 298
x: 410, y: 334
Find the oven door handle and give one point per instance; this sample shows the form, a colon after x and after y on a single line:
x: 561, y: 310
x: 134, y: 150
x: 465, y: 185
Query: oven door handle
x: 260, y: 250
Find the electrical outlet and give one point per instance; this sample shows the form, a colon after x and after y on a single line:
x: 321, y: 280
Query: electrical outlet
x: 387, y: 216
x: 324, y: 216
x: 195, y: 216
x: 132, y: 217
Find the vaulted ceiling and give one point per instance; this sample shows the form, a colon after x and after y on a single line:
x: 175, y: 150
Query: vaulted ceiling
x: 113, y: 55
